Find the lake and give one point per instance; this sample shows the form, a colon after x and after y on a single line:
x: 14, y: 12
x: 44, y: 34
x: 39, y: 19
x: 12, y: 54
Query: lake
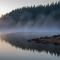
x: 16, y: 47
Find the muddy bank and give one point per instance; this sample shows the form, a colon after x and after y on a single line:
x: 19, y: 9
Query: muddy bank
x: 47, y: 40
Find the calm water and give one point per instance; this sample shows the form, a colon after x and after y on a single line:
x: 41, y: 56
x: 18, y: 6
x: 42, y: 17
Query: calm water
x: 13, y: 47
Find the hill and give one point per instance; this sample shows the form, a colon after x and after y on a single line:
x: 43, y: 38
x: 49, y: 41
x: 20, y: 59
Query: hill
x: 36, y: 16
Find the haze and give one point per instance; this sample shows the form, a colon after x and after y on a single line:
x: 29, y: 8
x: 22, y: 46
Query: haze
x: 7, y: 5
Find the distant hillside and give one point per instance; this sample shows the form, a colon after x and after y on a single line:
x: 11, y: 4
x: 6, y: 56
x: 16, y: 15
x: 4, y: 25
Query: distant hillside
x: 46, y: 16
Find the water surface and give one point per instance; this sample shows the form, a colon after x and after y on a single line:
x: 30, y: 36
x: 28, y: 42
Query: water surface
x: 14, y: 47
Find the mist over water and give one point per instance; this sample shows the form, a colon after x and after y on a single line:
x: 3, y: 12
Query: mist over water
x: 31, y: 33
x: 44, y: 26
x: 28, y: 33
x: 40, y: 20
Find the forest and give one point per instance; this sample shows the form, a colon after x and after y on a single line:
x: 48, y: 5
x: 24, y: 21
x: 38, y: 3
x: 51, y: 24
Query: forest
x: 34, y: 16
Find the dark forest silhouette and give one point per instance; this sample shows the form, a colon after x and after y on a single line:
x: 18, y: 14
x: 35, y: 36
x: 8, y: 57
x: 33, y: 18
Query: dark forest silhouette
x: 35, y: 14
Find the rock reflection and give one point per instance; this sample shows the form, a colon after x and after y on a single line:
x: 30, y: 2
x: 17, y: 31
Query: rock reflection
x: 20, y: 42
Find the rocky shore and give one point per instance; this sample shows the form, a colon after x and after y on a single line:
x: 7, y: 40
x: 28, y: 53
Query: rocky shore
x: 47, y: 40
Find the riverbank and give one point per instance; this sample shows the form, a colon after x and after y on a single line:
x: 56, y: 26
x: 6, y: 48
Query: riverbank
x: 47, y: 40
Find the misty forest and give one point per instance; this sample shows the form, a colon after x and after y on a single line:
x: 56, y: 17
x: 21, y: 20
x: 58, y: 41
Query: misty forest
x: 31, y: 32
x: 39, y: 23
x: 35, y: 16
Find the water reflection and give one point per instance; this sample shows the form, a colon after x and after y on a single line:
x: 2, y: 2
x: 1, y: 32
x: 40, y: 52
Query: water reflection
x: 21, y: 41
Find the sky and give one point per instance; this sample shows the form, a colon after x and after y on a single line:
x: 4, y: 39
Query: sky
x: 9, y: 5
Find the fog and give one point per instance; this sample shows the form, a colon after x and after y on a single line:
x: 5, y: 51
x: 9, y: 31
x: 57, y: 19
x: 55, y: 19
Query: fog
x: 29, y: 32
x: 31, y: 22
x: 44, y: 26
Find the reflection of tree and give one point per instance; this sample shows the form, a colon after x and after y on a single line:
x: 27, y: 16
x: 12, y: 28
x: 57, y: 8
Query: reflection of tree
x: 25, y: 45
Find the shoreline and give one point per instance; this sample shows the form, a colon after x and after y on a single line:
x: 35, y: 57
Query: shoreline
x: 47, y: 40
